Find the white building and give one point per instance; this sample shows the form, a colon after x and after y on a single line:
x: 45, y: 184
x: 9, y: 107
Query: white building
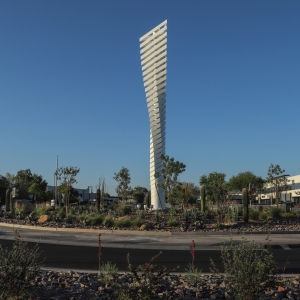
x: 290, y: 193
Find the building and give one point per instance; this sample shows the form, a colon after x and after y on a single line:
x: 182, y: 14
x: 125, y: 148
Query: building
x: 153, y: 50
x: 84, y: 195
x: 286, y: 194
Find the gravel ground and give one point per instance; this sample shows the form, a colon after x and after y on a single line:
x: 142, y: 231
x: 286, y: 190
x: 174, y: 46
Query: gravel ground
x: 73, y: 285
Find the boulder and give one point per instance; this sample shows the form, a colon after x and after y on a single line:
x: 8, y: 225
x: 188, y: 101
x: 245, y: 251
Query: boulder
x: 143, y: 227
x: 26, y: 204
x: 146, y: 226
x: 43, y: 219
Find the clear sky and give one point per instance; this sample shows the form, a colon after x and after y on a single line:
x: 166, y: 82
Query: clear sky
x: 71, y: 85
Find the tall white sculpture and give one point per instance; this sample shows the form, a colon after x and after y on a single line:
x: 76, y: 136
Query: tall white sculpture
x: 154, y: 66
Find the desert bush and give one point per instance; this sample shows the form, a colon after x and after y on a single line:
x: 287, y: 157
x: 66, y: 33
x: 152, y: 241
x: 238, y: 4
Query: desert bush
x: 21, y: 210
x: 124, y: 209
x: 107, y: 272
x: 122, y: 222
x: 172, y: 222
x: 186, y: 216
x: 157, y: 216
x: 250, y: 268
x: 41, y: 210
x: 18, y: 267
x: 275, y: 212
x: 232, y: 214
x: 61, y: 214
x: 172, y: 213
x: 263, y: 215
x: 192, y: 274
x: 95, y: 219
x: 108, y: 221
x: 148, y: 277
x: 194, y: 214
x: 137, y: 222
x: 253, y: 214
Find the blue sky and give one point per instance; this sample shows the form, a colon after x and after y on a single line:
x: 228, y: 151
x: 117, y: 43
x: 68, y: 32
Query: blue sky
x: 71, y: 85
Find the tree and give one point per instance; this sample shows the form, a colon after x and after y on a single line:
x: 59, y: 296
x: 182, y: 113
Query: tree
x: 190, y: 192
x: 21, y: 181
x: 123, y: 179
x: 242, y: 180
x: 27, y: 183
x: 276, y: 180
x: 216, y: 189
x: 169, y: 173
x: 4, y: 185
x: 38, y: 187
x: 139, y: 193
x: 67, y: 175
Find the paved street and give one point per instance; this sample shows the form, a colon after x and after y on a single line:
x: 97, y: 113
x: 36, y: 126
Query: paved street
x: 74, y: 250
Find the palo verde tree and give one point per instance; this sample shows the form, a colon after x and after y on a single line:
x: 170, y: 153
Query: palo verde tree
x: 123, y: 179
x: 169, y: 173
x: 216, y: 189
x: 276, y: 180
x: 67, y: 175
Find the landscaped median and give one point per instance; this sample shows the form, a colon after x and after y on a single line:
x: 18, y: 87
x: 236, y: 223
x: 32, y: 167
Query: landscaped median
x: 121, y: 219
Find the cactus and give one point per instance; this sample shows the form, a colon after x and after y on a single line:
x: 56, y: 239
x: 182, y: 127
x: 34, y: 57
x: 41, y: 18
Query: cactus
x: 7, y: 199
x: 245, y: 199
x: 203, y: 198
x: 12, y: 204
x: 98, y: 197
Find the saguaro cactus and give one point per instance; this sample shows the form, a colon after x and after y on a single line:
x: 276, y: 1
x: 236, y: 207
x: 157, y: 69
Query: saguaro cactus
x: 98, y: 197
x: 203, y: 199
x: 7, y: 199
x: 245, y: 199
x: 12, y: 204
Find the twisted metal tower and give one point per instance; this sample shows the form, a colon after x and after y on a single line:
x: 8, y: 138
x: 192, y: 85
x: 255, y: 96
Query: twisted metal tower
x: 153, y: 51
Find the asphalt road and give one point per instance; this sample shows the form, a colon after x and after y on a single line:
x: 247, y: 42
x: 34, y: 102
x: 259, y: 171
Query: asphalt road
x: 86, y: 258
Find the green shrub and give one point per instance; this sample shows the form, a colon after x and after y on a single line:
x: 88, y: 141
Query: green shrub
x: 172, y: 213
x: 108, y: 221
x: 82, y: 217
x: 61, y: 214
x: 253, y: 214
x: 41, y: 210
x: 95, y: 220
x: 125, y: 209
x: 263, y: 215
x: 172, y: 222
x: 21, y: 211
x: 124, y: 222
x: 147, y: 277
x: 232, y: 214
x: 107, y: 272
x: 192, y: 275
x: 137, y: 222
x: 275, y: 212
x: 157, y: 216
x: 250, y: 268
x: 18, y: 267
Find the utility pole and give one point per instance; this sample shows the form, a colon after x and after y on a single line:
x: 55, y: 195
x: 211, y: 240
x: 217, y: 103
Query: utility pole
x: 56, y: 179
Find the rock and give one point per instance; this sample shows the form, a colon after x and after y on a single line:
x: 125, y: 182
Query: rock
x: 143, y: 227
x: 146, y: 226
x: 44, y: 219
